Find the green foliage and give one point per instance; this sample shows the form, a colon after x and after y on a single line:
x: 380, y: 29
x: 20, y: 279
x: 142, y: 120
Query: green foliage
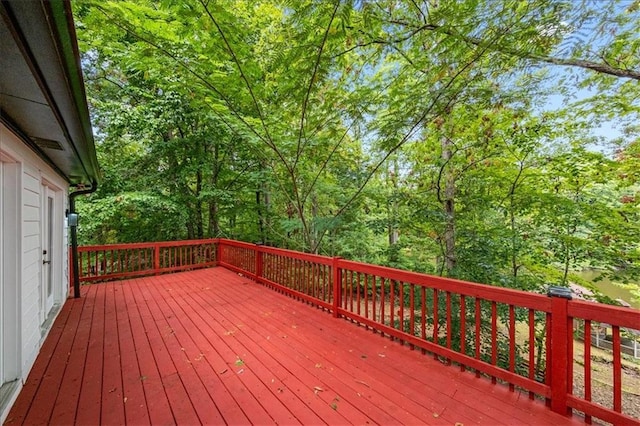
x: 130, y: 217
x: 455, y: 138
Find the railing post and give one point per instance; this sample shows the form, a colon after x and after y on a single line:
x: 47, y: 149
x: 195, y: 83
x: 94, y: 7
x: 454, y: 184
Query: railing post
x: 259, y: 260
x: 337, y: 286
x: 156, y: 259
x: 559, y: 360
x: 219, y: 252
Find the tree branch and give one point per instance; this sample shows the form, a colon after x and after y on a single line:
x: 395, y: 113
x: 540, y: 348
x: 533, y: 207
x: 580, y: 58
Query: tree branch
x: 242, y: 74
x: 603, y: 68
x: 305, y: 102
x: 407, y: 135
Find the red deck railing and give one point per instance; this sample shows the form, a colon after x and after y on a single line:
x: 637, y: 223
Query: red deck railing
x: 117, y: 261
x: 524, y: 340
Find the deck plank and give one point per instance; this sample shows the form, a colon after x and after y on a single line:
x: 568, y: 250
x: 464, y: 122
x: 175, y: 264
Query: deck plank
x: 265, y: 367
x: 21, y: 407
x: 340, y: 389
x: 64, y: 411
x: 156, y: 401
x: 135, y: 404
x: 112, y: 409
x: 90, y: 402
x: 246, y: 378
x: 42, y: 405
x: 350, y: 364
x: 210, y: 346
x: 161, y: 338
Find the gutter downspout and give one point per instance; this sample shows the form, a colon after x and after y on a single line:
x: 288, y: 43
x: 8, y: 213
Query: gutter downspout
x: 74, y: 237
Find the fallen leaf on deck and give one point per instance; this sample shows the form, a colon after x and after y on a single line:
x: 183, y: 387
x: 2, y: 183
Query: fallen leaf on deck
x: 112, y: 390
x: 239, y: 362
x: 143, y: 378
x: 459, y: 424
x: 318, y: 365
x: 224, y: 371
x: 241, y: 371
x: 125, y: 399
x: 334, y: 406
x: 436, y: 415
x: 229, y: 332
x: 382, y: 355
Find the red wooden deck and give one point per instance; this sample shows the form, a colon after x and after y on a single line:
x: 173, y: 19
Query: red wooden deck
x: 210, y: 346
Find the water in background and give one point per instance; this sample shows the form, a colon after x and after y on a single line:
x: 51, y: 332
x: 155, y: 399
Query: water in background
x: 608, y: 288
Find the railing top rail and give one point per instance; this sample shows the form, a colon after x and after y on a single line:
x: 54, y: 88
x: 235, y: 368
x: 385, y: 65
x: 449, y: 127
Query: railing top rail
x: 614, y: 315
x: 317, y: 258
x: 187, y: 242
x: 128, y: 246
x: 482, y: 291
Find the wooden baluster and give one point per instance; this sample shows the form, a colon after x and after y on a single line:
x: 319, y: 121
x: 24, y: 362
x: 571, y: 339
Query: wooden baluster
x: 463, y: 327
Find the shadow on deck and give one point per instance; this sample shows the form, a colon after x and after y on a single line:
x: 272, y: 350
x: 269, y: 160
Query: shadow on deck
x: 210, y: 346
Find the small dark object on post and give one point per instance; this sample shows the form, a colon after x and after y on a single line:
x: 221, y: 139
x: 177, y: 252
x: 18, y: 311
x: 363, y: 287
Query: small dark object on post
x: 557, y: 291
x: 73, y: 219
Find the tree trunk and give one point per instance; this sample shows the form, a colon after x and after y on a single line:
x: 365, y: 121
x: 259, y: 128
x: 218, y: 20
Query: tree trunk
x: 263, y: 201
x: 392, y: 213
x: 198, y: 205
x: 190, y: 230
x: 313, y: 232
x: 448, y: 204
x: 214, y: 219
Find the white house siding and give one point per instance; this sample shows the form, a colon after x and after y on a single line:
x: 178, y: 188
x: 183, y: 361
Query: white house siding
x: 31, y: 265
x: 21, y: 253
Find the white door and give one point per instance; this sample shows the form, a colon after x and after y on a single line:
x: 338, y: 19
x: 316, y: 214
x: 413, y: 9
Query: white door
x: 48, y: 247
x: 2, y: 296
x: 9, y: 286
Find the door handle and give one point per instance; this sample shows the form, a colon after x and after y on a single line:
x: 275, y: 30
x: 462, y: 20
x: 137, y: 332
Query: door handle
x: 44, y: 262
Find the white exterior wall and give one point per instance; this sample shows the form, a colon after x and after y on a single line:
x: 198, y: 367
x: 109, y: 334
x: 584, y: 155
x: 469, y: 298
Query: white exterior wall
x: 27, y: 311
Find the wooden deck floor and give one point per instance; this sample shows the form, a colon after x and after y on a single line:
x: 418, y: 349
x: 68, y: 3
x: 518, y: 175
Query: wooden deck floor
x: 210, y: 346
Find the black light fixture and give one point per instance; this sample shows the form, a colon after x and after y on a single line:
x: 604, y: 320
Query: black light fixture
x: 72, y: 219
